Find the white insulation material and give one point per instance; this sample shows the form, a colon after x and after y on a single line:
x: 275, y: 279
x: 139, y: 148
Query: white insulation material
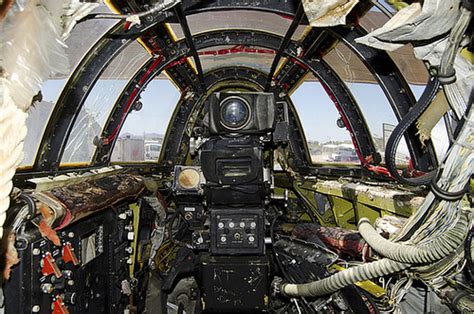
x: 13, y: 131
x: 414, y: 23
x: 325, y: 13
x: 428, y: 28
x: 31, y: 50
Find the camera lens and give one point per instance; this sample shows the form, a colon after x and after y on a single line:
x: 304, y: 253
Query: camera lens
x: 235, y: 113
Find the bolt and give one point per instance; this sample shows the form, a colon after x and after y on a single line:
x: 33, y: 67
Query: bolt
x: 35, y: 309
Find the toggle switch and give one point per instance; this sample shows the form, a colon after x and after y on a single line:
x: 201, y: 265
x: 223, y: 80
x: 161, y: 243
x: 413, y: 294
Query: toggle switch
x: 69, y: 255
x: 59, y: 307
x: 49, y: 266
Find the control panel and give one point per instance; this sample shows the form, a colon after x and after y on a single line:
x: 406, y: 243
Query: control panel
x: 87, y: 270
x: 237, y: 231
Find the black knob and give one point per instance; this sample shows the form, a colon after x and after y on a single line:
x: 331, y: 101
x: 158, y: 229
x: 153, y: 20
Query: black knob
x: 59, y: 283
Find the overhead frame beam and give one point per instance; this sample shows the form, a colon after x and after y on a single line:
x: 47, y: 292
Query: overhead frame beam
x: 287, y: 7
x: 284, y: 44
x: 178, y: 9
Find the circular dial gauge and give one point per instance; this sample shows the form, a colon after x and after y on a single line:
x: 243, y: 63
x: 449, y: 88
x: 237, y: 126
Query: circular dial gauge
x: 189, y: 178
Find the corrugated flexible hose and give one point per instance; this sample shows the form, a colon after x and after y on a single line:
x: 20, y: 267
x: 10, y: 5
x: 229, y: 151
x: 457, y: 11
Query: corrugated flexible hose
x: 430, y: 252
x: 344, y: 278
x: 433, y: 251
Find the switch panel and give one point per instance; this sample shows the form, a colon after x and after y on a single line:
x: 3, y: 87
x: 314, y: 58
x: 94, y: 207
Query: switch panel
x: 82, y: 275
x: 237, y: 231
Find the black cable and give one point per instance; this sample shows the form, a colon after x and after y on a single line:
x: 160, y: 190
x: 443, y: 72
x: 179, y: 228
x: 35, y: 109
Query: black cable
x: 468, y: 256
x: 446, y: 195
x: 392, y: 144
x: 30, y: 202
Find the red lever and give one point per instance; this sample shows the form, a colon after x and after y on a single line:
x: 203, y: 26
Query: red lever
x: 49, y: 266
x: 69, y: 255
x: 59, y: 307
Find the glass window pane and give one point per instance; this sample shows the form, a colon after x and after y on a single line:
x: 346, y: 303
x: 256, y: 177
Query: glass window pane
x: 370, y: 97
x: 82, y: 37
x: 142, y: 134
x: 38, y: 116
x: 99, y: 103
x: 318, y: 115
x: 239, y: 19
x: 222, y: 56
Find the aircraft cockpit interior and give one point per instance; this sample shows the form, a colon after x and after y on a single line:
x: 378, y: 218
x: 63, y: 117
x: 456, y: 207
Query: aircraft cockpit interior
x: 236, y: 156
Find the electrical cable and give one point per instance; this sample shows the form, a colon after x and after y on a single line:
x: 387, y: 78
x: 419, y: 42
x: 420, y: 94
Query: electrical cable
x: 448, y: 196
x: 392, y: 144
x: 468, y: 254
x: 30, y: 203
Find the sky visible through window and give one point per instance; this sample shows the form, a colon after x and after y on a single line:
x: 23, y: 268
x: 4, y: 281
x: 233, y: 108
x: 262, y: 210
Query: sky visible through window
x: 318, y: 119
x: 159, y: 100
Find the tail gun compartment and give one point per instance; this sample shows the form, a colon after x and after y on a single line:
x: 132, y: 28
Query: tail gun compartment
x: 236, y: 156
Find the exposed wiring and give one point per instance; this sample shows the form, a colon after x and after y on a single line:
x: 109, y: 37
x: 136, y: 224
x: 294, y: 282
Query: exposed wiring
x: 136, y: 17
x: 447, y: 74
x: 430, y: 252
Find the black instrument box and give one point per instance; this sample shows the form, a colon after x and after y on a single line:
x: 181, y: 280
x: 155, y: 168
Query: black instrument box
x: 229, y: 283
